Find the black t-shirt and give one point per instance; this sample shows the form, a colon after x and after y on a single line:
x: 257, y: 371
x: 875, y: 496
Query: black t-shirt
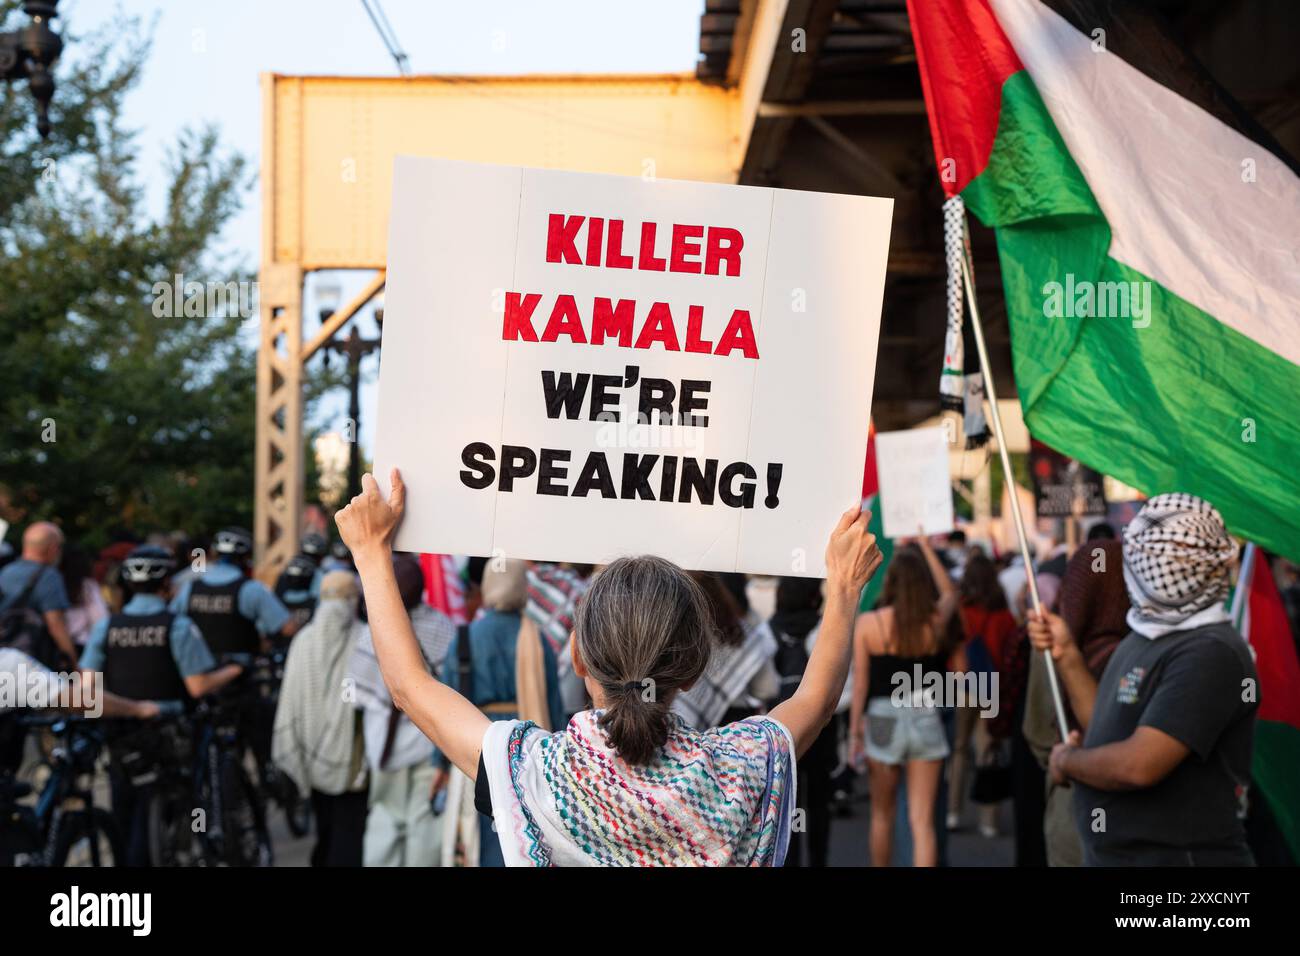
x: 1199, y: 687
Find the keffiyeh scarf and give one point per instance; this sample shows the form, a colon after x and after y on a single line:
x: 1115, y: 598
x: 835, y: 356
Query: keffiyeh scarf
x: 718, y: 798
x: 315, y: 740
x: 553, y: 596
x: 725, y: 680
x: 1177, y: 563
x: 961, y: 382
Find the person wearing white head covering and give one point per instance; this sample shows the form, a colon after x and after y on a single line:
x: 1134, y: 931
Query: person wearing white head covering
x: 317, y: 740
x: 1161, y: 776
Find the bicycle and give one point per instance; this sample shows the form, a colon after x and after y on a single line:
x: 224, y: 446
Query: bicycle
x: 236, y: 833
x: 156, y: 758
x: 64, y: 828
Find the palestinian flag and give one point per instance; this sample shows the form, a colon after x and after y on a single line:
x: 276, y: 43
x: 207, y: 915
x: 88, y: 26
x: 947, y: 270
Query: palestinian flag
x: 1260, y: 617
x: 1147, y: 232
x: 444, y: 590
x: 871, y: 502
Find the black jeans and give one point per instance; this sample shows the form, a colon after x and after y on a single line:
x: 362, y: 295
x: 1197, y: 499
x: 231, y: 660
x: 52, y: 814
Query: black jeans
x: 340, y: 828
x: 1028, y: 797
x: 131, y: 814
x: 814, y: 799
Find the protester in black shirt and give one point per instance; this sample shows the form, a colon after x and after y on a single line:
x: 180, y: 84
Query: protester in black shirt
x: 1161, y: 777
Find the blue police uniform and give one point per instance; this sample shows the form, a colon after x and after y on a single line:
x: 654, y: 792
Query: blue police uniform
x: 255, y: 602
x: 188, y: 650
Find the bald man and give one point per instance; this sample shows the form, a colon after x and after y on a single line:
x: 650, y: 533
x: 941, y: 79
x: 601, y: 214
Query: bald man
x: 34, y: 581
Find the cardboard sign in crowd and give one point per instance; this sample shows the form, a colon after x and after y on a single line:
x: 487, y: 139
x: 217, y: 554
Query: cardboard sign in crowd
x: 915, y: 488
x: 578, y: 367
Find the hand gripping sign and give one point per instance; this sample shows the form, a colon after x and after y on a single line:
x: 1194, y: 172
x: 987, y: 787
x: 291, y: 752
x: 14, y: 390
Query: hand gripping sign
x: 577, y: 367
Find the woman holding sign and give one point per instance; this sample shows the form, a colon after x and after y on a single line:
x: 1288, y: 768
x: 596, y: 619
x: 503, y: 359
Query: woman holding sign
x: 627, y: 783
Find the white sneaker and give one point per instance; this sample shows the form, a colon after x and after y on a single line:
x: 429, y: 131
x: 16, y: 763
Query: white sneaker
x: 988, y: 831
x: 954, y: 821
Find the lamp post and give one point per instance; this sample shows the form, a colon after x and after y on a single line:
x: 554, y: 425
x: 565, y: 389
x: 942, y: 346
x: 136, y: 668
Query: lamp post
x: 29, y: 53
x: 354, y: 348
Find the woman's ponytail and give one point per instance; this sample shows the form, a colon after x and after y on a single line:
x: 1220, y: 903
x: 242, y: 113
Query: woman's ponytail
x: 636, y: 722
x: 645, y: 631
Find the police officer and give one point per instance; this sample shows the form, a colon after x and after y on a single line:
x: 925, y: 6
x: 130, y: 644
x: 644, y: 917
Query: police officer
x: 233, y: 611
x: 298, y: 588
x: 148, y: 653
x: 314, y: 547
x: 340, y: 559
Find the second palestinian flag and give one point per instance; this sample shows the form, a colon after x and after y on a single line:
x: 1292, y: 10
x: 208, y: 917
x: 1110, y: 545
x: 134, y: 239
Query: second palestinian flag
x: 1148, y: 237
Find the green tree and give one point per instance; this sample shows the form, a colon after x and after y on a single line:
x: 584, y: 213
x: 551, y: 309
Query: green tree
x: 113, y: 410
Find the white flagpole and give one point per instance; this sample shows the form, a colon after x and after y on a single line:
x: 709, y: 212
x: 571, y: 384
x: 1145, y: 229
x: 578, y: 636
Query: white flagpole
x: 991, y: 391
x: 1239, y: 595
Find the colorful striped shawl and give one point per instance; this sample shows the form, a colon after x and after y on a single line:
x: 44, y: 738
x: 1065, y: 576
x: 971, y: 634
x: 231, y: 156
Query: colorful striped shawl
x: 723, y: 797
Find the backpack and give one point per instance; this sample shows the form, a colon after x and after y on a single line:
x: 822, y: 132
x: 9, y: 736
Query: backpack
x: 23, y: 628
x: 979, y: 659
x: 790, y: 661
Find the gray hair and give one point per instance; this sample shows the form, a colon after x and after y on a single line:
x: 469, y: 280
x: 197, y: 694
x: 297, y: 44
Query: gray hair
x: 645, y: 631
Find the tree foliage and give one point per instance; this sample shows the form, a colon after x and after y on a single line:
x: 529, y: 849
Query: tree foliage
x: 111, y: 414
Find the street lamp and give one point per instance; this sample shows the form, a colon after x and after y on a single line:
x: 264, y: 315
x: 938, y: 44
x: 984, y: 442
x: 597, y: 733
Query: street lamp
x: 328, y: 296
x: 354, y: 348
x: 29, y: 53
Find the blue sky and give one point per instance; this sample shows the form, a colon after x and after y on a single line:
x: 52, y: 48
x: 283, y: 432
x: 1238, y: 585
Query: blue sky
x: 207, y: 55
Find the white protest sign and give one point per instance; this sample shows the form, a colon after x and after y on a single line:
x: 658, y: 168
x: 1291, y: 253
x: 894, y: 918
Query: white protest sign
x: 915, y: 490
x: 577, y: 367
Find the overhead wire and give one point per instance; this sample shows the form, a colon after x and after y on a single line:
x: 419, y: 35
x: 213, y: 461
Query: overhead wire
x: 388, y: 35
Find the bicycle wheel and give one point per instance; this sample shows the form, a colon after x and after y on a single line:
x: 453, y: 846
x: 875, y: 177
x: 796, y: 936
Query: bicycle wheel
x: 207, y: 794
x: 172, y: 841
x: 243, y: 817
x: 87, y: 840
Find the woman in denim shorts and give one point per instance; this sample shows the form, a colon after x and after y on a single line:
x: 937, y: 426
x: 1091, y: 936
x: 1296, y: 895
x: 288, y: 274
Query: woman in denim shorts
x: 900, y: 659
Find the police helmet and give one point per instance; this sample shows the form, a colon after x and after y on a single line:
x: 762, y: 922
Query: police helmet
x: 147, y: 564
x: 235, y: 542
x: 300, y: 568
x: 314, y: 545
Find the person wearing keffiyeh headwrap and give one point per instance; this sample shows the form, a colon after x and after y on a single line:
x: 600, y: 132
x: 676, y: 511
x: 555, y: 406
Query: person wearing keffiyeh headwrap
x: 1177, y: 563
x: 1161, y: 776
x: 317, y: 740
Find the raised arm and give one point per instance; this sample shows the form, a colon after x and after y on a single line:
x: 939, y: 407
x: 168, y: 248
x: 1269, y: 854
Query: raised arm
x: 454, y: 724
x: 851, y: 559
x: 948, y: 593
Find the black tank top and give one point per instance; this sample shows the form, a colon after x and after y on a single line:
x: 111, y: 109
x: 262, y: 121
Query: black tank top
x: 215, y: 609
x: 138, y: 661
x: 883, y: 667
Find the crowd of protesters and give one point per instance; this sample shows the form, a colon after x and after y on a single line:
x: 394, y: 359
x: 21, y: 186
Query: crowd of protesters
x: 637, y: 714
